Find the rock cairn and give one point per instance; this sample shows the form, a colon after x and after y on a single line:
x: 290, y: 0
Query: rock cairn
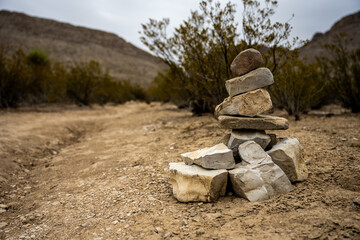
x: 258, y: 165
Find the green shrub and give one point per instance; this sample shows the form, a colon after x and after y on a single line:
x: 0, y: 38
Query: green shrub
x: 298, y: 87
x: 40, y: 73
x: 342, y: 71
x: 32, y: 79
x: 200, y: 51
x: 14, y: 75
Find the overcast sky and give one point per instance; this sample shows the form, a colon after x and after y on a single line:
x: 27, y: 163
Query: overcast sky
x: 124, y: 17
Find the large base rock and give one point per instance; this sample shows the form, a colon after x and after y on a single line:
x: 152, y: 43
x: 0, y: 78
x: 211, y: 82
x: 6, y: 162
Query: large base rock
x: 258, y: 78
x: 258, y: 177
x: 216, y: 157
x: 246, y: 61
x: 238, y: 137
x: 193, y: 183
x: 287, y: 154
x: 261, y: 122
x: 248, y: 104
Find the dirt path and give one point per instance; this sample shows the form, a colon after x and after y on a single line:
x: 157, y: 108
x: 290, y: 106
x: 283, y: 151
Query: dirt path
x: 102, y: 174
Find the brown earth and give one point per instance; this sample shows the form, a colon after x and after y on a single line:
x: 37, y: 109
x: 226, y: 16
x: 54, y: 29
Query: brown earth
x: 102, y: 173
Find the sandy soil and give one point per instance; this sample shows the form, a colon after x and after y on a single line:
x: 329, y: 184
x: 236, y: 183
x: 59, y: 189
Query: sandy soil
x: 102, y: 173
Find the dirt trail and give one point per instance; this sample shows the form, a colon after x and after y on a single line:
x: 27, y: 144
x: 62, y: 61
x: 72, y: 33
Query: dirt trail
x: 102, y: 174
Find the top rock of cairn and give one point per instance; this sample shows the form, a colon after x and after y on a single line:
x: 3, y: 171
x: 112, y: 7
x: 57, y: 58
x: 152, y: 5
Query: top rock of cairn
x: 247, y: 97
x: 247, y: 60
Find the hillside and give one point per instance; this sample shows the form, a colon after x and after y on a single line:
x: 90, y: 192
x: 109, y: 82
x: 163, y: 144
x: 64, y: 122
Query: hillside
x: 67, y: 43
x: 350, y: 25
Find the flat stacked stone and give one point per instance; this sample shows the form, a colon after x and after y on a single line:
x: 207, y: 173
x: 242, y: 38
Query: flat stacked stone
x: 248, y: 100
x: 243, y: 112
x: 258, y: 175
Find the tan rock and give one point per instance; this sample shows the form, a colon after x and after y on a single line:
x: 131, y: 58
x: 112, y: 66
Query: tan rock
x: 258, y: 78
x: 247, y: 104
x: 260, y: 122
x: 193, y: 183
x: 288, y: 155
x: 246, y: 61
x: 216, y: 157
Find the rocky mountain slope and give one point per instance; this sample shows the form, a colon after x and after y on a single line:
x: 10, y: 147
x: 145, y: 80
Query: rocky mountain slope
x: 349, y: 25
x: 67, y: 43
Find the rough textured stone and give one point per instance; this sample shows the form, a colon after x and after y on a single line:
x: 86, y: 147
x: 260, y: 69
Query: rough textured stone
x: 258, y: 177
x: 252, y: 153
x: 260, y: 122
x: 193, y: 183
x: 276, y: 181
x: 258, y: 78
x: 288, y: 155
x: 247, y: 104
x: 238, y: 137
x: 246, y: 61
x: 216, y: 157
x: 248, y: 183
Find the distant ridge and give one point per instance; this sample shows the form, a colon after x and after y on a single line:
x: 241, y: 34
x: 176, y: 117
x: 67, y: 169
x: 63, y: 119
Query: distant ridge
x: 350, y: 25
x: 67, y: 43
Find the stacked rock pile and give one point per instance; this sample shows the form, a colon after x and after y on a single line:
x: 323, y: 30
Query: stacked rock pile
x: 259, y: 165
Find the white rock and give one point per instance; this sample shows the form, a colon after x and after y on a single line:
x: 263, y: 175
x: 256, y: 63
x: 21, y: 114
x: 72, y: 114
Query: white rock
x: 258, y: 78
x: 193, y: 183
x: 252, y: 153
x: 257, y: 164
x: 288, y: 155
x: 276, y: 181
x: 248, y: 104
x: 248, y: 183
x: 238, y: 137
x: 216, y: 157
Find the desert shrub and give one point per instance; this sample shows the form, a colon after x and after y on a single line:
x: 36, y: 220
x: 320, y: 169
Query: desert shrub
x: 342, y: 71
x: 298, y: 86
x: 200, y: 51
x: 40, y: 73
x: 87, y: 83
x: 14, y: 75
x: 32, y: 78
x: 57, y: 84
x: 130, y: 91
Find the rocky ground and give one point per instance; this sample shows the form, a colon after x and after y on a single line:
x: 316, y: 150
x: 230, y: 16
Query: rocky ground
x: 102, y: 173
